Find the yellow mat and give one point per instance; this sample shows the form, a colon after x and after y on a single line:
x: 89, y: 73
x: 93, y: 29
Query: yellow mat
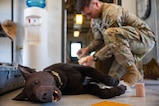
x: 109, y: 103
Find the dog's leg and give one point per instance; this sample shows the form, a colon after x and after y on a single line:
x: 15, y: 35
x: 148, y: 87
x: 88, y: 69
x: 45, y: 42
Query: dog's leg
x: 98, y: 76
x: 105, y: 93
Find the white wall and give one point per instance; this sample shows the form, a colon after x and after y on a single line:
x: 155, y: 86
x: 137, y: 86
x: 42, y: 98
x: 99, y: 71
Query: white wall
x: 129, y: 5
x: 54, y: 30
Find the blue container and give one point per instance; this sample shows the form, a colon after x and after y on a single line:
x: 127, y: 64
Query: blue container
x: 36, y: 3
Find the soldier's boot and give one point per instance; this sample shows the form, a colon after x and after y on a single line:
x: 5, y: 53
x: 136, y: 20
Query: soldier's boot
x: 131, y: 76
x: 151, y: 70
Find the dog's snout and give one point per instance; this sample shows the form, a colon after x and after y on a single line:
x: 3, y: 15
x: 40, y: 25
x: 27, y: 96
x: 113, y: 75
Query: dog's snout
x: 45, y: 96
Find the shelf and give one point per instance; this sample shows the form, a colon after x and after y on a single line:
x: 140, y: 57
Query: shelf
x: 2, y: 33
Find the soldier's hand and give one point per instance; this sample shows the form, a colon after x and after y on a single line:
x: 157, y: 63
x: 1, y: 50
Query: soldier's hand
x: 87, y: 61
x: 82, y: 52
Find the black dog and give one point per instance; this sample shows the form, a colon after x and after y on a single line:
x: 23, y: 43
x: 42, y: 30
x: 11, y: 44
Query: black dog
x: 70, y: 79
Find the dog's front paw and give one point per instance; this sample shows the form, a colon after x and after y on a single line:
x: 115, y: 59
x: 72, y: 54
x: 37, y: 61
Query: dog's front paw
x: 121, y: 89
x: 128, y: 88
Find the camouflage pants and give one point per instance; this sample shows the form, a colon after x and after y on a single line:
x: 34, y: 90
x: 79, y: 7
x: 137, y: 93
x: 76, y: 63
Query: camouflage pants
x: 118, y: 70
x: 129, y: 46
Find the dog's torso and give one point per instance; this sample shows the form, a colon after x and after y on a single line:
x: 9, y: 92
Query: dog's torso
x: 49, y: 85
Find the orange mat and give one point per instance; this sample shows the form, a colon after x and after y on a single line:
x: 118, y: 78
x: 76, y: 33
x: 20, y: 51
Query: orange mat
x: 109, y: 103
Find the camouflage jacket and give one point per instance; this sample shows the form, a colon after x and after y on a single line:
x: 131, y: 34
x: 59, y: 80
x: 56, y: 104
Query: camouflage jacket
x: 116, y: 16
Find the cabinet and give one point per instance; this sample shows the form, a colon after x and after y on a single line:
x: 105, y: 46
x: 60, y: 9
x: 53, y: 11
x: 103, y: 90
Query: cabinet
x: 3, y: 34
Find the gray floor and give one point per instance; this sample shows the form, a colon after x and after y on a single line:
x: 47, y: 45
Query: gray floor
x: 151, y: 98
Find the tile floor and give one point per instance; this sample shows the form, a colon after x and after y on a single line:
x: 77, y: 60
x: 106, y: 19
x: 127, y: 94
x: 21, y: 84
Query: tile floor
x: 151, y: 98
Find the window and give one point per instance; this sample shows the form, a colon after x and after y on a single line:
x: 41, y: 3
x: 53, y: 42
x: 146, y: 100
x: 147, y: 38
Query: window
x: 75, y: 46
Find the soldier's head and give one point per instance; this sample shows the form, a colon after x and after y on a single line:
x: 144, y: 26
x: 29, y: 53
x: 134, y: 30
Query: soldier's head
x: 89, y: 8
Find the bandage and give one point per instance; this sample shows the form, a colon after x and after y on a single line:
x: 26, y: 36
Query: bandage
x: 81, y: 60
x: 140, y: 89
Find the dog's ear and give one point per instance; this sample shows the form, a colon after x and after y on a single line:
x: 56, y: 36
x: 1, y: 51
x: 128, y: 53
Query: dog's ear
x: 21, y: 97
x: 26, y: 71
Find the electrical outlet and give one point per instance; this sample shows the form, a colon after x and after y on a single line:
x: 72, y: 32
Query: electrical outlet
x: 18, y: 48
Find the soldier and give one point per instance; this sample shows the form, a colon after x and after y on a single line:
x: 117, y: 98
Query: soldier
x: 119, y: 33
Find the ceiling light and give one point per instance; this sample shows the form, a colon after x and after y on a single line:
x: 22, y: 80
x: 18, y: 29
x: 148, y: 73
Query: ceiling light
x: 79, y: 18
x: 76, y: 33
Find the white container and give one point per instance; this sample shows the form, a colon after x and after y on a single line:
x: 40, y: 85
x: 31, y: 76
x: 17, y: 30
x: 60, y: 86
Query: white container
x: 35, y: 42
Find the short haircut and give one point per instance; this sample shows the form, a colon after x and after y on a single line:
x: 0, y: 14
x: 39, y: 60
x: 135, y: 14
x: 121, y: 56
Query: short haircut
x: 80, y: 4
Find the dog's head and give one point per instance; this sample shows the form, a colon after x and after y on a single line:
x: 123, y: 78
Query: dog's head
x: 39, y: 86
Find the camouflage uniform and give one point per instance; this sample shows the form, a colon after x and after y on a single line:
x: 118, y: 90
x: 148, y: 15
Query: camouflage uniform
x: 123, y: 35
